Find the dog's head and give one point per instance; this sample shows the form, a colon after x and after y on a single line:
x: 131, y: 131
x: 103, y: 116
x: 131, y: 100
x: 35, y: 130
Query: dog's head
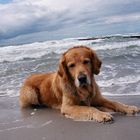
x: 78, y: 64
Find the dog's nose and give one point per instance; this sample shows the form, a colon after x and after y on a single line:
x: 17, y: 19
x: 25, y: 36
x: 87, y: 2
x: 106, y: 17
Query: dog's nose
x: 82, y: 79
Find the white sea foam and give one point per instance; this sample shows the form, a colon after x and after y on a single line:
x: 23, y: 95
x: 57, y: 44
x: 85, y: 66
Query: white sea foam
x: 37, y: 50
x: 119, y: 81
x: 117, y: 45
x: 123, y: 94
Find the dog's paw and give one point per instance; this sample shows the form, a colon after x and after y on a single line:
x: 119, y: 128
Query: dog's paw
x: 103, y: 117
x: 132, y: 110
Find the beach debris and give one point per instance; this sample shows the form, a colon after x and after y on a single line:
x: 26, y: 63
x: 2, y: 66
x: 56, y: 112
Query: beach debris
x: 32, y: 113
x: 46, y: 123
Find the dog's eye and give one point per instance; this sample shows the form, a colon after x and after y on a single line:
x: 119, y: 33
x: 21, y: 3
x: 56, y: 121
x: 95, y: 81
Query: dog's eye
x: 86, y: 61
x: 71, y: 65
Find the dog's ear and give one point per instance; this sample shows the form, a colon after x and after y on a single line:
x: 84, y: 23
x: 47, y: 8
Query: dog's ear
x: 65, y: 75
x: 62, y: 69
x: 96, y: 63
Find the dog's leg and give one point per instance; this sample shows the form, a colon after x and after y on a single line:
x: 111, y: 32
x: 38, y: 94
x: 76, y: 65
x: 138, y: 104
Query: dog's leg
x: 116, y: 106
x: 76, y: 112
x: 85, y: 113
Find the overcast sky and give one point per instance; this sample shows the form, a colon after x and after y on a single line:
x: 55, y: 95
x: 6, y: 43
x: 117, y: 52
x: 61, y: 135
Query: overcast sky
x: 24, y: 21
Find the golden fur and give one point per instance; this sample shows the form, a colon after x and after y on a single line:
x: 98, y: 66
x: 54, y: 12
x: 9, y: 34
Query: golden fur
x: 73, y: 88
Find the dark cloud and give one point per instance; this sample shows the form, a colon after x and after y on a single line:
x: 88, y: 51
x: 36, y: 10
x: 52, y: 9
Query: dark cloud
x: 52, y: 19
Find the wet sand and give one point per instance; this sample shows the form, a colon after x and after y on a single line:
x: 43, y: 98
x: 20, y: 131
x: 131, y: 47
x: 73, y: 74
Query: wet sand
x: 48, y: 124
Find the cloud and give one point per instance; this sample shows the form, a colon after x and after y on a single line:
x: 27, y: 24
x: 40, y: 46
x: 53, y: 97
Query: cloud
x: 35, y: 16
x: 19, y: 17
x: 123, y: 18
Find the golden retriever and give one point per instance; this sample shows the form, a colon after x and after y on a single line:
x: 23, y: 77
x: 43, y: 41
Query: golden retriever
x: 73, y: 88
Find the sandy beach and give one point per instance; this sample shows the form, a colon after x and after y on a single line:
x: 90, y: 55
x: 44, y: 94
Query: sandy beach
x: 48, y: 124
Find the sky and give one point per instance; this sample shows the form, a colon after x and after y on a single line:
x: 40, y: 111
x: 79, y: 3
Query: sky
x: 27, y: 21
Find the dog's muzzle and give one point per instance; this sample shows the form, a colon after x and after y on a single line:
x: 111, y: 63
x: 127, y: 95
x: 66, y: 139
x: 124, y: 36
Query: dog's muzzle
x: 82, y: 79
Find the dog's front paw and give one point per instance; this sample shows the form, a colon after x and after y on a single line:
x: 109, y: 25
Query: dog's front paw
x: 132, y: 110
x: 103, y: 117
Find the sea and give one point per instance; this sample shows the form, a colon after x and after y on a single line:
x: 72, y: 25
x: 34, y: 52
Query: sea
x: 120, y: 55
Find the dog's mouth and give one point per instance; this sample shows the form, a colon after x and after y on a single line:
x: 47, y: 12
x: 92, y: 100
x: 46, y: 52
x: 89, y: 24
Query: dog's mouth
x: 83, y: 85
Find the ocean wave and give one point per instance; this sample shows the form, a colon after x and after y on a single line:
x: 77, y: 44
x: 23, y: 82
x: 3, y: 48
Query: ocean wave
x: 120, y: 81
x: 9, y: 93
x: 117, y: 45
x: 122, y: 94
x: 34, y: 50
x: 37, y: 50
